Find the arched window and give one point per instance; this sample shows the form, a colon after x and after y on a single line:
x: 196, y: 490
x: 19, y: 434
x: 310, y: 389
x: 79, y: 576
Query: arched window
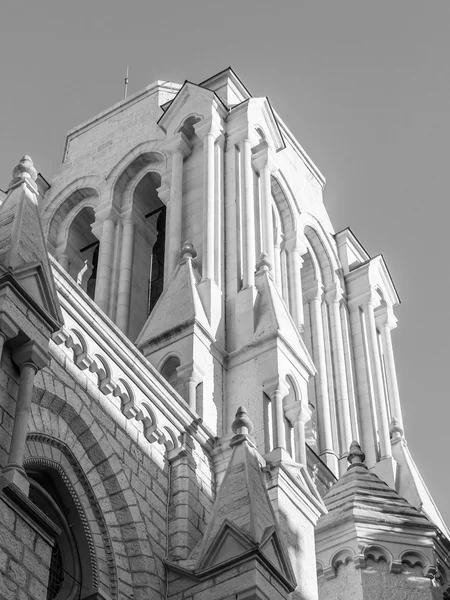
x: 82, y: 251
x: 169, y: 370
x: 288, y: 401
x: 70, y: 576
x: 147, y: 281
x: 157, y: 264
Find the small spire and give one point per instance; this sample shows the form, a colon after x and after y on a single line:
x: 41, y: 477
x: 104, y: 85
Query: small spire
x: 264, y: 263
x: 356, y: 456
x: 395, y: 429
x: 242, y: 424
x: 24, y: 170
x: 188, y: 251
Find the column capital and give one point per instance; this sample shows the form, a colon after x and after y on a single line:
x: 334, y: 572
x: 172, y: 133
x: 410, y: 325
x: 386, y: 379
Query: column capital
x: 211, y: 125
x: 314, y: 292
x: 276, y: 384
x: 164, y: 191
x: 334, y: 293
x: 263, y: 157
x: 296, y: 242
x: 365, y: 297
x: 104, y: 213
x: 189, y: 371
x: 32, y: 354
x: 297, y: 411
x: 178, y: 143
x: 385, y: 317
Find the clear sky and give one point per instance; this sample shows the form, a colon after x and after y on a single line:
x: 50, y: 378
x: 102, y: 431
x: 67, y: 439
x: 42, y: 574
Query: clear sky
x: 365, y: 88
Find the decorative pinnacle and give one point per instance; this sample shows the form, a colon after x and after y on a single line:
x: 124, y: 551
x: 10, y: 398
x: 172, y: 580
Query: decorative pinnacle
x: 242, y: 424
x: 264, y: 263
x: 356, y: 456
x: 188, y: 251
x: 25, y: 169
x: 395, y: 429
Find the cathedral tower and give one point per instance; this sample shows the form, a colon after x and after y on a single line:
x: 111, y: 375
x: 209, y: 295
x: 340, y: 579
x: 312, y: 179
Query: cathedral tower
x: 212, y: 350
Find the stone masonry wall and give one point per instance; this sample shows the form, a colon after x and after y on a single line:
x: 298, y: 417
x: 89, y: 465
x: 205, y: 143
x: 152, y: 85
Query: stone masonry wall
x: 376, y: 582
x: 128, y: 477
x: 120, y: 479
x: 25, y: 554
x: 8, y: 389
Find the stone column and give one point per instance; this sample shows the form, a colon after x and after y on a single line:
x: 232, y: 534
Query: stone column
x: 105, y: 260
x: 387, y: 323
x: 378, y: 383
x: 333, y: 298
x: 277, y: 264
x: 277, y: 389
x: 125, y: 276
x: 323, y: 401
x: 29, y: 358
x: 265, y: 164
x: 298, y: 414
x: 248, y: 205
x: 188, y: 378
x: 208, y: 130
x: 219, y: 216
x: 181, y: 148
x: 294, y: 251
x: 63, y: 260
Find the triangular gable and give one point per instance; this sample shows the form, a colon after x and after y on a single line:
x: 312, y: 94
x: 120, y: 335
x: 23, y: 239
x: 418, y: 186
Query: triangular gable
x: 273, y: 550
x: 272, y: 317
x: 259, y: 112
x: 228, y: 86
x: 186, y: 102
x: 242, y: 520
x: 229, y: 544
x: 34, y: 280
x: 23, y: 250
x: 181, y: 292
x: 370, y: 275
x: 386, y: 276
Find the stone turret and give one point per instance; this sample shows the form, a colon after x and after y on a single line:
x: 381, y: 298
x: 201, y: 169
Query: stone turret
x: 29, y: 306
x: 373, y: 542
x: 243, y: 546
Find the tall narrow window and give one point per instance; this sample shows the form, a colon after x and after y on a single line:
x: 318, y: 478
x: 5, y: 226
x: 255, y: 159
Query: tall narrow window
x: 157, y: 263
x: 268, y: 432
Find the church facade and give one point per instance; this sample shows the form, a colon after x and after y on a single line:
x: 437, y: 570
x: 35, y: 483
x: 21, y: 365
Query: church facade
x: 198, y: 393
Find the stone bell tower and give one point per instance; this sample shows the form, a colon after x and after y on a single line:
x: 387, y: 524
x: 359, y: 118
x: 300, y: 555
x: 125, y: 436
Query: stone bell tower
x: 194, y: 220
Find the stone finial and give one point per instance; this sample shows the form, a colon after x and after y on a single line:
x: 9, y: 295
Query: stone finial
x: 242, y: 424
x: 264, y: 263
x: 356, y: 456
x: 188, y: 251
x: 24, y: 170
x: 396, y: 429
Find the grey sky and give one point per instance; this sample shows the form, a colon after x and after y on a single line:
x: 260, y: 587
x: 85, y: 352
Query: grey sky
x: 363, y: 85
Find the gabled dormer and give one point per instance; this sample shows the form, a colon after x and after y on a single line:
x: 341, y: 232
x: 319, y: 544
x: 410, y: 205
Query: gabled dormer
x: 256, y: 117
x: 227, y: 86
x: 191, y: 100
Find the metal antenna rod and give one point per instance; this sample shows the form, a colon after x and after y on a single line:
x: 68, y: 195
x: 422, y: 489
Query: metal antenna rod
x: 125, y: 93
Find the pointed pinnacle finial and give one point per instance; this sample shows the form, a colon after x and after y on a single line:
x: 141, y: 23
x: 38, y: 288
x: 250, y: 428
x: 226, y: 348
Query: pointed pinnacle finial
x: 188, y: 251
x: 242, y: 423
x: 264, y: 263
x: 25, y: 169
x: 396, y: 429
x: 356, y: 456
